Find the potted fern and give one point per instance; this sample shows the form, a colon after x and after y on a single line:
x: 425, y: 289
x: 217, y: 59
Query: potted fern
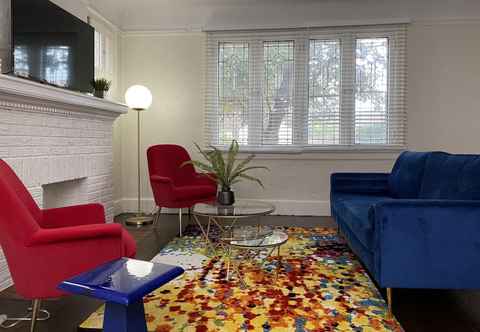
x: 100, y: 86
x: 226, y: 170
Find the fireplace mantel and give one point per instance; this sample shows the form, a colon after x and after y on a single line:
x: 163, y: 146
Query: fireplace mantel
x: 59, y: 143
x: 14, y: 89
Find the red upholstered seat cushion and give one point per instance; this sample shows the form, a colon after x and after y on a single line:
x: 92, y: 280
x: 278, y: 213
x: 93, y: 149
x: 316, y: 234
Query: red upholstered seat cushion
x: 188, y: 193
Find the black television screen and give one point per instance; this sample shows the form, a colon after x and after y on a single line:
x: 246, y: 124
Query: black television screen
x: 52, y: 45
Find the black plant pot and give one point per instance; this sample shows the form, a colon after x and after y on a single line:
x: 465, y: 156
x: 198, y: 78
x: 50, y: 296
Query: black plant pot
x: 99, y: 93
x: 226, y: 197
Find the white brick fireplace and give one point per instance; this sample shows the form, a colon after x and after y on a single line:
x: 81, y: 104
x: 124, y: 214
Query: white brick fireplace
x: 59, y: 143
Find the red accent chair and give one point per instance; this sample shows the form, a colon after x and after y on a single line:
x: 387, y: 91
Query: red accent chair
x: 45, y: 247
x: 174, y: 186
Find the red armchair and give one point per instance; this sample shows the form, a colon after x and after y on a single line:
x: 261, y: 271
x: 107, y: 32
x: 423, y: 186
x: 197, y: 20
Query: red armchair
x: 45, y: 247
x: 174, y: 186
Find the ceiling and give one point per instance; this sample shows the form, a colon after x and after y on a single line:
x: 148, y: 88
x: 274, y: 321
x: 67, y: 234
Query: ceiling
x: 142, y: 15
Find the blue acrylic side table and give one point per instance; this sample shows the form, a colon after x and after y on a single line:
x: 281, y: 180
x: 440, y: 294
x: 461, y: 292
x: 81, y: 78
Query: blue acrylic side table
x: 122, y: 284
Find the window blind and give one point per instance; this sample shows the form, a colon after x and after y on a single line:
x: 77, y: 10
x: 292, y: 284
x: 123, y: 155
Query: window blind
x: 293, y: 89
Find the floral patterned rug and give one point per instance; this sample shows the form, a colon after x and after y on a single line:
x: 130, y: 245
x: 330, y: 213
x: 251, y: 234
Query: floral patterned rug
x: 321, y: 287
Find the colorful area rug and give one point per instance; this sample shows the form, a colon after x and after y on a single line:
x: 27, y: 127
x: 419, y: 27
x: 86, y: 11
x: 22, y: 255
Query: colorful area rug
x: 322, y: 287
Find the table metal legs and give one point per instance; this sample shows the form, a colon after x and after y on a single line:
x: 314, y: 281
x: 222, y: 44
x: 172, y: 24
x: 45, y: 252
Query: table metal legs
x: 227, y: 249
x: 205, y: 232
x: 246, y: 254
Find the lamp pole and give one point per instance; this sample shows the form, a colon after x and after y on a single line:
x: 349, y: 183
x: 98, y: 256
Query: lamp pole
x: 139, y: 210
x: 139, y: 99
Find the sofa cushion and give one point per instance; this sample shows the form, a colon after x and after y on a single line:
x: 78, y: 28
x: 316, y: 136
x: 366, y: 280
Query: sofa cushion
x: 449, y: 176
x: 354, y: 211
x: 406, y: 177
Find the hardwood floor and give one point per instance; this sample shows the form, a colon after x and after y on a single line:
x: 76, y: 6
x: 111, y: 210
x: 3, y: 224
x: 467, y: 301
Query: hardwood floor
x: 417, y: 310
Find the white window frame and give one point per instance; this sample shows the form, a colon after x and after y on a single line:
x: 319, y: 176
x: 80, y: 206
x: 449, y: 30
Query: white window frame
x: 396, y: 99
x: 110, y: 36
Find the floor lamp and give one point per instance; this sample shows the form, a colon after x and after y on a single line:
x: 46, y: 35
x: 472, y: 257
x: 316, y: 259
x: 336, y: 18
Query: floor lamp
x: 138, y: 98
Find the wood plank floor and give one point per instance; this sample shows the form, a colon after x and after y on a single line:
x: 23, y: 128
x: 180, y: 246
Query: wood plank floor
x: 417, y: 310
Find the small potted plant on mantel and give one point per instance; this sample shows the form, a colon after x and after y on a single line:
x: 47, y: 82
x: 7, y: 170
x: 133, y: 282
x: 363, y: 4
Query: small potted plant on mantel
x: 226, y: 171
x: 100, y: 87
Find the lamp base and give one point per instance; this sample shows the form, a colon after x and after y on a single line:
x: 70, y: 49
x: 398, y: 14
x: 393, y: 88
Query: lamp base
x: 139, y: 220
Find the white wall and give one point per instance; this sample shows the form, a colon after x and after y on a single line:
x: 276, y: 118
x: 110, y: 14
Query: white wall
x: 444, y: 86
x: 172, y: 67
x: 444, y: 81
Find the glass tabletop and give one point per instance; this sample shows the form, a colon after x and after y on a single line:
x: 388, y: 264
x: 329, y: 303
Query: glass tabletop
x: 275, y: 239
x: 241, y: 209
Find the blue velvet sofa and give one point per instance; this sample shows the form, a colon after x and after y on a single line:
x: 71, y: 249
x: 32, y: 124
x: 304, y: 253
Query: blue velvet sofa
x: 418, y: 226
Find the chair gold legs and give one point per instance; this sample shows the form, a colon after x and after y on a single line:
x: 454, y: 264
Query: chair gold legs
x: 156, y: 217
x: 35, y: 316
x: 35, y: 311
x: 389, y: 302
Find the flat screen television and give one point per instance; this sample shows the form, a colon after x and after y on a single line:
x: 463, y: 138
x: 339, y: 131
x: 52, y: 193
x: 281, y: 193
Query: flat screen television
x: 51, y: 45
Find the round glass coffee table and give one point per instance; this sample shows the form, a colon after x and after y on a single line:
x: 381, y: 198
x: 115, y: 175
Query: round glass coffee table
x: 227, y: 217
x: 239, y: 242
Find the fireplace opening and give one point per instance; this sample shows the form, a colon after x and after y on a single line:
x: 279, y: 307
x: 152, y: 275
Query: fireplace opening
x: 66, y: 193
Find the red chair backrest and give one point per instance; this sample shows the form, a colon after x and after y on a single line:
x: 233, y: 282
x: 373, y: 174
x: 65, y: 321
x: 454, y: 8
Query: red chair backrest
x: 19, y: 216
x: 167, y: 159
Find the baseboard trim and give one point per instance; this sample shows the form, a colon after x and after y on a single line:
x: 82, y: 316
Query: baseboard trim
x: 282, y: 207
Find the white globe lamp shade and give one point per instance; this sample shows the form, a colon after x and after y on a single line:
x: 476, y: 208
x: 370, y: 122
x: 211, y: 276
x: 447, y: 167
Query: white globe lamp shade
x: 138, y: 97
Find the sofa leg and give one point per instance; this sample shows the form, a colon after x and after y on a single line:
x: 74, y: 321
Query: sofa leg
x: 389, y: 302
x: 339, y: 233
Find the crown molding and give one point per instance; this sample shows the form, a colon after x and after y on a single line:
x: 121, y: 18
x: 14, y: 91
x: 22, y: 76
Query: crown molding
x: 153, y: 33
x: 307, y: 25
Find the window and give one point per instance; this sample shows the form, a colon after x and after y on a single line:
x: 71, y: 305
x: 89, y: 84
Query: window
x: 324, y: 92
x: 278, y: 84
x: 338, y: 88
x: 371, y: 91
x: 103, y: 65
x: 233, y: 90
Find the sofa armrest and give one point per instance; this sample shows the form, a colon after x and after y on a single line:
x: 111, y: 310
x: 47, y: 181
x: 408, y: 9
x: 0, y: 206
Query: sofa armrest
x: 73, y: 216
x: 76, y: 233
x: 360, y: 183
x: 427, y: 244
x: 59, y: 259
